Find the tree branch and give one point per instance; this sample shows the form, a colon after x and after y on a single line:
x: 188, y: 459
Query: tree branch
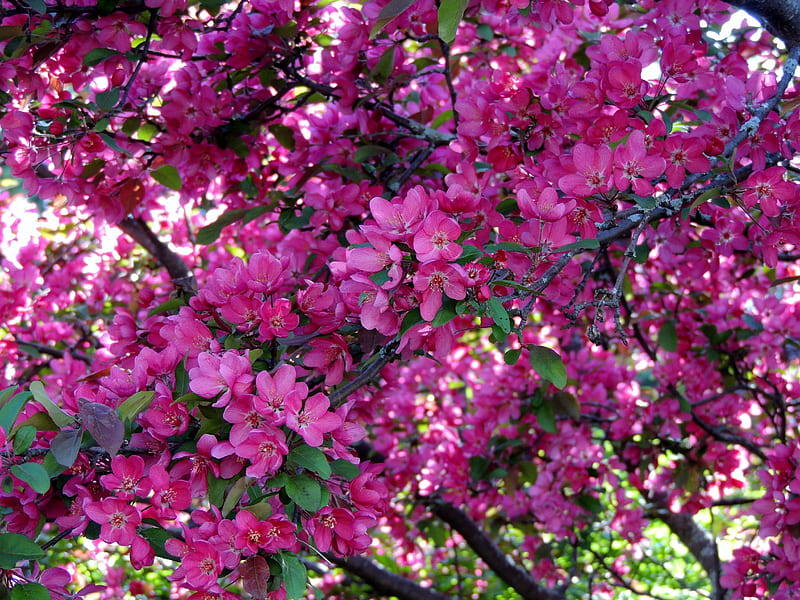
x: 497, y: 560
x: 780, y: 17
x: 383, y: 581
x: 180, y: 274
x: 696, y: 539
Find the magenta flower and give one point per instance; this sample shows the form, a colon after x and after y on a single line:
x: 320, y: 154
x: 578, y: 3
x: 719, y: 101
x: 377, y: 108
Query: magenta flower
x: 168, y: 496
x: 330, y: 355
x: 200, y: 567
x: 312, y: 420
x: 634, y: 167
x: 438, y: 238
x: 230, y: 374
x: 278, y: 321
x: 126, y: 477
x: 265, y: 449
x: 265, y: 271
x: 592, y: 171
x: 436, y: 278
x: 117, y: 519
x: 276, y: 387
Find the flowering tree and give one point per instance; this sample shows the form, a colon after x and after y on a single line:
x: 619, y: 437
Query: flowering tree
x: 417, y: 299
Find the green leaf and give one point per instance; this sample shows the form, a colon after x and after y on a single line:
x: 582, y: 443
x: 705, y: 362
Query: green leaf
x: 38, y: 5
x: 305, y: 492
x: 92, y: 168
x: 34, y: 474
x: 469, y: 253
x: 11, y: 407
x: 548, y: 364
x: 546, y: 418
x: 485, y: 32
x: 106, y: 101
x: 368, y: 151
x: 346, y: 469
x: 235, y: 494
x: 450, y: 14
x: 443, y: 118
x: 499, y: 314
x: 389, y: 13
x: 169, y: 305
x: 134, y: 405
x: 312, y: 459
x: 413, y: 317
x: 168, y: 176
x: 588, y: 244
x: 512, y: 356
x: 23, y: 439
x: 112, y: 143
x: 15, y: 547
x: 210, y: 233
x: 446, y: 313
x: 478, y: 466
x: 59, y: 417
x: 30, y: 591
x: 294, y: 576
x: 668, y: 336
x: 284, y: 135
x: 157, y: 537
x: 567, y: 404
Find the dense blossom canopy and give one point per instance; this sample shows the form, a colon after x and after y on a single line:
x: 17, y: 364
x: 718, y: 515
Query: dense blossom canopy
x: 413, y: 298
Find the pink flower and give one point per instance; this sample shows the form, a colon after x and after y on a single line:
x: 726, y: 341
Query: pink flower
x: 265, y: 273
x: 126, y: 477
x: 436, y: 278
x: 265, y: 449
x: 278, y: 321
x: 438, y: 238
x: 117, y: 519
x: 398, y: 221
x: 546, y: 207
x: 200, y: 567
x: 168, y: 496
x: 329, y: 354
x: 230, y: 374
x: 312, y: 420
x: 275, y: 388
x: 272, y: 534
x: 635, y: 166
x: 592, y: 171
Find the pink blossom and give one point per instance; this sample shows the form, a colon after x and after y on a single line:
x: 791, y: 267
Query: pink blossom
x: 435, y: 279
x: 437, y: 239
x: 329, y: 354
x: 229, y: 374
x: 117, y: 519
x: 311, y: 420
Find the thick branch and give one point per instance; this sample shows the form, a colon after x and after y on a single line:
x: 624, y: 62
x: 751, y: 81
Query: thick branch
x: 780, y: 17
x: 383, y: 581
x: 497, y: 560
x: 696, y: 539
x: 178, y: 271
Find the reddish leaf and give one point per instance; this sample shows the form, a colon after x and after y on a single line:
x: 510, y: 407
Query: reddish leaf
x: 104, y: 425
x: 65, y: 446
x: 131, y: 194
x: 255, y: 577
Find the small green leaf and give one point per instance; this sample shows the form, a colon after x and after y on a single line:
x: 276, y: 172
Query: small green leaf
x: 668, y: 336
x: 235, y: 494
x: 546, y: 418
x: 305, y: 492
x: 30, y: 591
x: 34, y: 474
x: 157, y: 537
x: 413, y: 317
x: 499, y: 314
x: 312, y: 459
x: 38, y: 5
x: 512, y: 356
x: 485, y: 32
x: 15, y: 547
x: 23, y: 439
x: 548, y: 364
x: 59, y: 417
x: 168, y: 176
x: 368, y: 151
x: 134, y: 405
x: 11, y: 407
x: 567, y: 404
x: 446, y: 314
x: 450, y: 14
x: 294, y: 575
x: 169, y: 305
x: 588, y: 244
x: 284, y: 135
x: 389, y: 13
x: 346, y: 469
x: 210, y: 233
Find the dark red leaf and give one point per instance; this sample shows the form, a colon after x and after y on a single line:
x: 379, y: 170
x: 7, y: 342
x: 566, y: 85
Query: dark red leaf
x: 104, y: 424
x: 255, y: 577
